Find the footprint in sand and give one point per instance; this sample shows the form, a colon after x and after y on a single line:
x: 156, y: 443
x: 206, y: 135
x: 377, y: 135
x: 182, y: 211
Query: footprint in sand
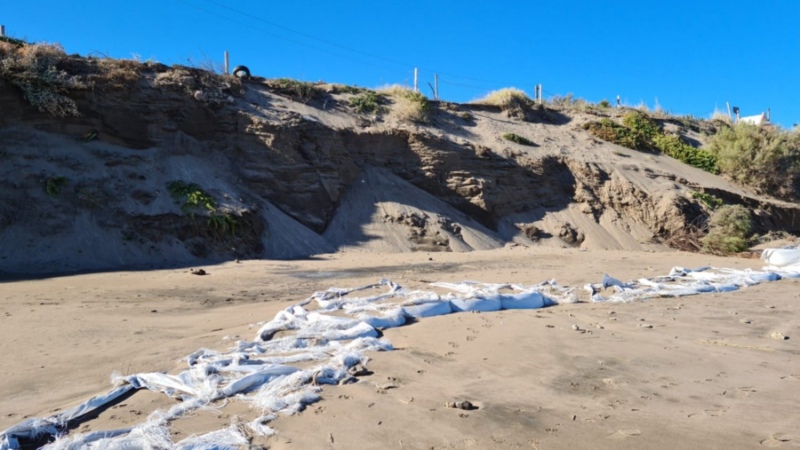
x: 744, y: 391
x: 707, y: 413
x: 622, y: 434
x: 776, y: 440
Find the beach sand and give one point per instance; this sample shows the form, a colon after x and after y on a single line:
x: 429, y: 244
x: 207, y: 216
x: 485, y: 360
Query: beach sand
x: 708, y: 374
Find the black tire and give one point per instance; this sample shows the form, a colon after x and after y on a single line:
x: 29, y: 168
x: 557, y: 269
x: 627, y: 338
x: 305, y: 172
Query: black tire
x: 241, y: 72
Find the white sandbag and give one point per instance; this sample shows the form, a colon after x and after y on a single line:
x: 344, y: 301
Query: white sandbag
x: 523, y: 300
x: 477, y: 303
x: 428, y: 309
x: 781, y: 257
x: 359, y: 330
x: 256, y: 379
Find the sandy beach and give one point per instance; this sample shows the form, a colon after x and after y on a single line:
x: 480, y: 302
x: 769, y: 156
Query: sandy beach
x: 707, y: 374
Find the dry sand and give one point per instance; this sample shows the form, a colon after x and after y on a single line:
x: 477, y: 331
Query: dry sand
x: 706, y: 375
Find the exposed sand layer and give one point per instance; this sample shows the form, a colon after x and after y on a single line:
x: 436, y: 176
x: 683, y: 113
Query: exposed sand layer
x: 285, y: 175
x: 708, y: 374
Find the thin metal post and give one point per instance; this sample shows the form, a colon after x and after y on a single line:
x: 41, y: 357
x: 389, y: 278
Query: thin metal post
x: 436, y: 84
x: 227, y: 64
x: 416, y: 74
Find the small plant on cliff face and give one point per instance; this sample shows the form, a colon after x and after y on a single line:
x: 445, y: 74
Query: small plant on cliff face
x: 517, y: 139
x: 729, y: 230
x: 223, y: 222
x: 193, y: 197
x: 711, y: 202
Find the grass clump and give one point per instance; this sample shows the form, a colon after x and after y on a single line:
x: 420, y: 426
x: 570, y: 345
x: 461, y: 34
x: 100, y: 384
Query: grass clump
x: 729, y: 230
x: 299, y: 90
x: 409, y: 106
x: 366, y: 102
x: 506, y: 98
x: 33, y: 69
x: 517, y: 139
x: 766, y: 159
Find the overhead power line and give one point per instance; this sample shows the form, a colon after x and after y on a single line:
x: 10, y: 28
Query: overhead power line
x: 327, y: 42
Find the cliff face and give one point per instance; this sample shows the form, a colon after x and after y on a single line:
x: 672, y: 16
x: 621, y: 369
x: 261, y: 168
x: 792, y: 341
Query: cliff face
x: 172, y: 166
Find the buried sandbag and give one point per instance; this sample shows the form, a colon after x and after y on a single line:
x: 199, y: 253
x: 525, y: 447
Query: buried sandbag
x: 523, y: 300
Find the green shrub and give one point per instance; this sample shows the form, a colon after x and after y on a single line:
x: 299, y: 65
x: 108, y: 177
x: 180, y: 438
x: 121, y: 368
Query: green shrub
x: 643, y: 128
x: 604, y: 104
x: 518, y: 139
x: 729, y: 230
x: 608, y: 130
x: 676, y: 148
x: 764, y: 158
x: 365, y: 102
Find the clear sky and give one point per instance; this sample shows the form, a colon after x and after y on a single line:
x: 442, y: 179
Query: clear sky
x: 688, y: 56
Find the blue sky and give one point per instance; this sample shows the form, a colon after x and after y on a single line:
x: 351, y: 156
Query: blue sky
x: 689, y: 56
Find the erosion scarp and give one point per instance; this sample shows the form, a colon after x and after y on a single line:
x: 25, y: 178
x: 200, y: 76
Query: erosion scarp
x: 276, y: 176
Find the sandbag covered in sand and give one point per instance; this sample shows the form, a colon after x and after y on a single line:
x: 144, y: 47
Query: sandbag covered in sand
x: 523, y: 300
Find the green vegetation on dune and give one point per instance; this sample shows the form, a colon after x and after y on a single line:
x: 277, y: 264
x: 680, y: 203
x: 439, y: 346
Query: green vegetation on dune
x: 767, y: 159
x: 640, y: 132
x: 517, y: 139
x: 729, y: 230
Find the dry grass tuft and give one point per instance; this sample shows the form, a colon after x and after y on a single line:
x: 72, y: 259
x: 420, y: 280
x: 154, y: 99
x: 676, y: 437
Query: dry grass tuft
x: 721, y: 116
x: 506, y: 98
x: 119, y: 73
x: 409, y: 106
